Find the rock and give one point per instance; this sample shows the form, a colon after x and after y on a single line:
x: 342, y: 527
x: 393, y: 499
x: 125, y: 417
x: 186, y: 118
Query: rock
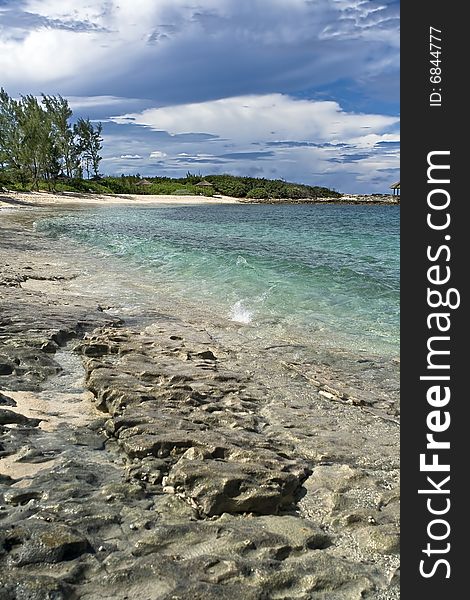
x: 50, y: 346
x: 161, y: 446
x: 6, y: 480
x: 20, y: 496
x: 95, y: 350
x: 220, y: 476
x: 383, y: 539
x: 206, y: 355
x: 8, y: 417
x: 34, y: 587
x: 299, y: 533
x: 5, y: 367
x: 38, y: 543
x: 6, y: 400
x: 222, y: 486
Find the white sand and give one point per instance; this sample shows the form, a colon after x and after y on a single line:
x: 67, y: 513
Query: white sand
x: 31, y: 199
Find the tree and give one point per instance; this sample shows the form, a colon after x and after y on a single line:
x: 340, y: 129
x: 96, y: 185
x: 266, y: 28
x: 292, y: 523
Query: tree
x: 9, y: 134
x: 59, y: 113
x: 35, y: 139
x: 28, y: 148
x: 89, y: 144
x: 38, y: 142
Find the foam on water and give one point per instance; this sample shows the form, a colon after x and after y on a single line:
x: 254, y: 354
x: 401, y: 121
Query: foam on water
x: 241, y: 314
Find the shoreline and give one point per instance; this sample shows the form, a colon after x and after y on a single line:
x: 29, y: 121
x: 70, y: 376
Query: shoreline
x: 211, y: 471
x: 48, y: 199
x: 10, y: 199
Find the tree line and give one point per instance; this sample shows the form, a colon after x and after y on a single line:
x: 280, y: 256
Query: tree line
x: 38, y: 142
x: 259, y: 188
x: 251, y: 188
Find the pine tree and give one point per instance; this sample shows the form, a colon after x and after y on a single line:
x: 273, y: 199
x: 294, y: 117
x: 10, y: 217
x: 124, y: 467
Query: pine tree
x: 59, y: 113
x: 89, y: 144
x: 38, y: 143
x: 10, y: 139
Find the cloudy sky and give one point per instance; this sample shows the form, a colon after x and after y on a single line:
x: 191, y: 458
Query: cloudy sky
x: 305, y: 90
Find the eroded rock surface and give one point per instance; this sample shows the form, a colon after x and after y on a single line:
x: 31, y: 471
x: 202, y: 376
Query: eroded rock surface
x: 171, y: 398
x: 186, y: 469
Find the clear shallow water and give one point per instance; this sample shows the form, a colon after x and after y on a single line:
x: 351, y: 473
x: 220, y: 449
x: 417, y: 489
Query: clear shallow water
x: 323, y: 275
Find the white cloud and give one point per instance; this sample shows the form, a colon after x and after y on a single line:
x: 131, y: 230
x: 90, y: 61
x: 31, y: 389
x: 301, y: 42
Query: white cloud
x: 47, y: 57
x: 132, y: 156
x: 274, y: 135
x: 269, y: 117
x: 87, y: 102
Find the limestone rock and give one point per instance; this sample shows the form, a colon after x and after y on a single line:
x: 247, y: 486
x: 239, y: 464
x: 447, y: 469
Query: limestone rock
x: 36, y: 543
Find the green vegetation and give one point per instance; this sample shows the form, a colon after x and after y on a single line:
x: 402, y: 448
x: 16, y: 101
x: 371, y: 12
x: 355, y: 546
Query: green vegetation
x: 41, y: 149
x: 39, y: 146
x: 226, y: 185
x: 260, y: 188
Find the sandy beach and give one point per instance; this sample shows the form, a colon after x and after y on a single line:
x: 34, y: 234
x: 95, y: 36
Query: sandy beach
x: 47, y: 199
x: 11, y: 199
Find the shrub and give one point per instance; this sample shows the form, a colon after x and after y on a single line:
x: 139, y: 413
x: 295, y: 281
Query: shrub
x: 258, y: 193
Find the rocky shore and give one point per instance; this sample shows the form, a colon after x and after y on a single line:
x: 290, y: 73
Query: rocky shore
x: 146, y: 459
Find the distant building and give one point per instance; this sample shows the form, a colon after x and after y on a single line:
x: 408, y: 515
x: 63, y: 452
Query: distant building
x: 144, y: 182
x: 396, y: 188
x: 204, y: 183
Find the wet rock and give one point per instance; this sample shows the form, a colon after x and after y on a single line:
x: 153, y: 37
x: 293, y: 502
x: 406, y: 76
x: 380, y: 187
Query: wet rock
x: 8, y: 417
x: 252, y: 480
x: 265, y: 556
x: 6, y: 368
x: 6, y: 480
x: 29, y: 453
x: 151, y: 470
x: 6, y: 400
x: 38, y: 326
x: 206, y: 355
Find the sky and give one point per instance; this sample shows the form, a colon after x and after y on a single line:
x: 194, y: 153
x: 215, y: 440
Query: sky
x: 301, y: 90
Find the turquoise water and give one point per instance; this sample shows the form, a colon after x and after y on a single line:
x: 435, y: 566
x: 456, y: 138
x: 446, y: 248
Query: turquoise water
x: 327, y: 274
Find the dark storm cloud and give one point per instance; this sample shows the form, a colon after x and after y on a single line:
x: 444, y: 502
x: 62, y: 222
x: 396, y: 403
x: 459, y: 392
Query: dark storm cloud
x: 122, y: 61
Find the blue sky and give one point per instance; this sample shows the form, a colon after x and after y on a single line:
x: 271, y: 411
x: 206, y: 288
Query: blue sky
x: 305, y: 90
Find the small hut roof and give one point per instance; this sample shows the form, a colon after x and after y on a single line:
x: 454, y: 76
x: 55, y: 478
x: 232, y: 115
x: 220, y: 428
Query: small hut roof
x: 204, y: 183
x: 144, y: 182
x: 395, y: 186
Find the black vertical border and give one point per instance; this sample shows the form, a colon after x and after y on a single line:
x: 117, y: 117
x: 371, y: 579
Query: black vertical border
x: 425, y: 129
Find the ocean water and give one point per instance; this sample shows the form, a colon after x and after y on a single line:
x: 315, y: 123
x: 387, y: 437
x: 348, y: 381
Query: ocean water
x: 325, y: 276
